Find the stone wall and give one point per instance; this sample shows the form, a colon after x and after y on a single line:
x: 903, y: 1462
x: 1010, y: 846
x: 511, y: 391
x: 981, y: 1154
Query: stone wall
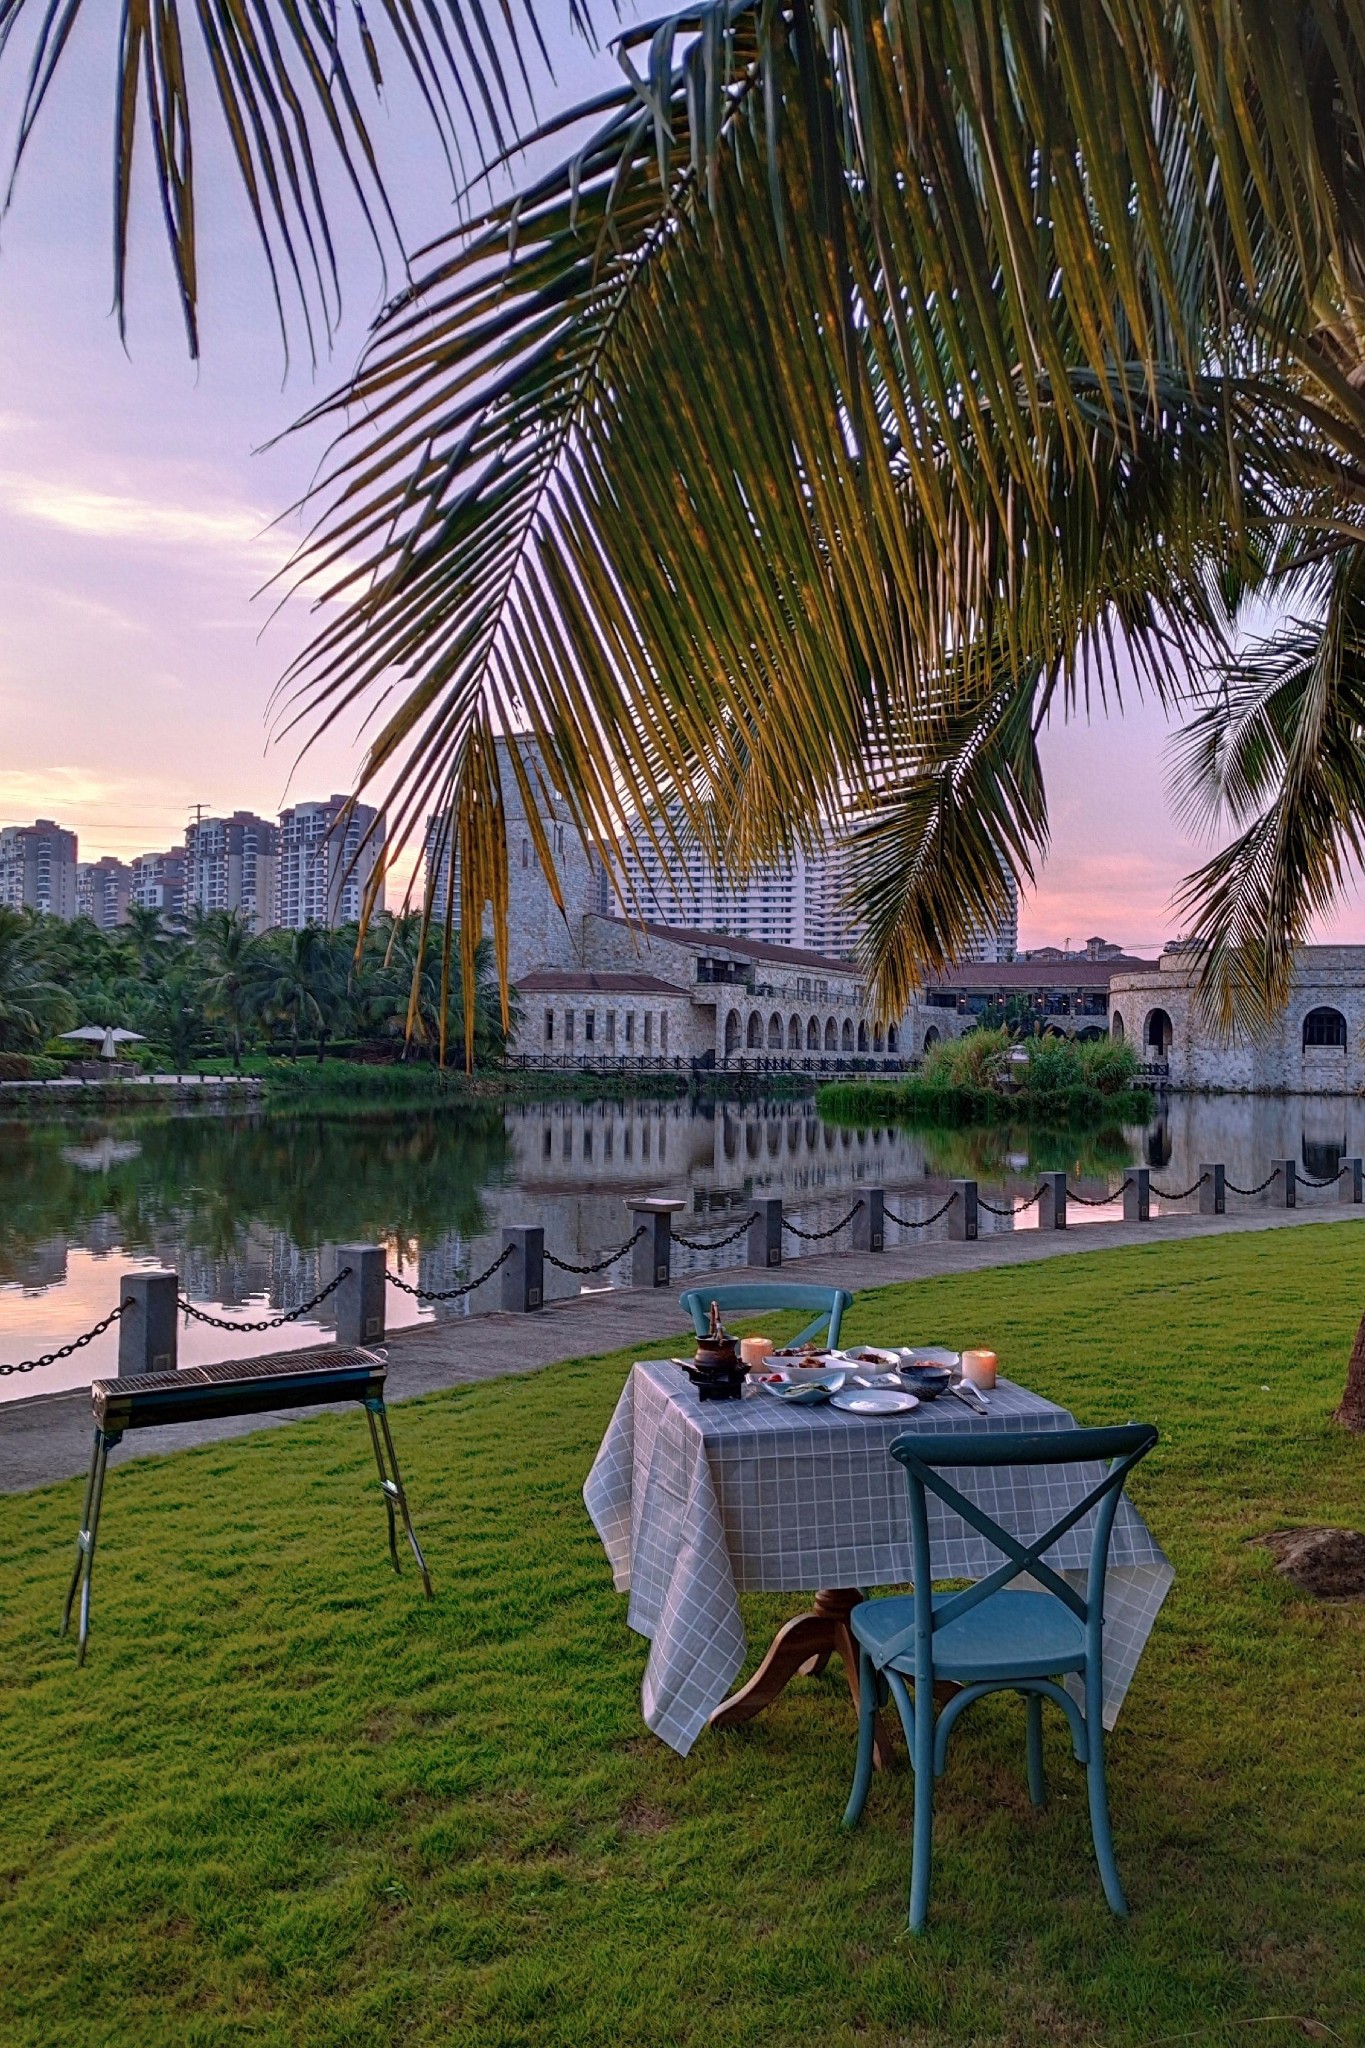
x: 1158, y: 1013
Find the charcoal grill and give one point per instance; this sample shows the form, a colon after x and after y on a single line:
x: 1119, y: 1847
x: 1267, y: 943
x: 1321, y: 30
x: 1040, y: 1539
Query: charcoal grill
x: 248, y: 1386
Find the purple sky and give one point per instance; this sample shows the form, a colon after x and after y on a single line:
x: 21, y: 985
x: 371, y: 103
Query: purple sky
x: 135, y: 661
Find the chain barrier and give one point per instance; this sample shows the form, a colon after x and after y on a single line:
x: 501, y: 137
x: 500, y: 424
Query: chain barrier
x: 1011, y: 1208
x: 600, y: 1265
x: 712, y: 1244
x: 291, y: 1315
x: 450, y: 1293
x: 66, y: 1350
x: 1304, y: 1181
x: 1181, y: 1194
x: 817, y: 1236
x: 1233, y: 1188
x: 1099, y: 1201
x: 920, y: 1222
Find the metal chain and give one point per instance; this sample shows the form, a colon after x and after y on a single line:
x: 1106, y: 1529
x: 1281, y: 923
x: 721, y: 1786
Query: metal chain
x: 1233, y: 1188
x: 712, y: 1244
x: 1011, y: 1208
x: 816, y: 1236
x: 1180, y: 1195
x: 1099, y: 1201
x: 451, y: 1293
x: 922, y: 1222
x: 66, y: 1350
x: 1306, y: 1182
x: 600, y: 1265
x: 290, y: 1315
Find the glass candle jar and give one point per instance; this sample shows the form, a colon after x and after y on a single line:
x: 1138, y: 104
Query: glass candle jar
x: 978, y: 1368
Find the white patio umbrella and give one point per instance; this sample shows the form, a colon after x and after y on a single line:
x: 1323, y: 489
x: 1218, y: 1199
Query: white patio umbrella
x: 110, y: 1037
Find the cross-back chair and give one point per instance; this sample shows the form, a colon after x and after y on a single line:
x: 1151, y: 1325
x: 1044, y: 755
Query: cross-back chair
x: 771, y: 1295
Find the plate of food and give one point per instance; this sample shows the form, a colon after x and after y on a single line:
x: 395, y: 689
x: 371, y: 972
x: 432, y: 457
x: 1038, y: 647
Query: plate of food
x: 802, y: 1389
x: 874, y: 1401
x: 872, y: 1360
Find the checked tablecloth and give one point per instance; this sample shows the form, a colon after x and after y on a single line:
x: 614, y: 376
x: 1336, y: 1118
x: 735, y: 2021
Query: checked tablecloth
x: 697, y: 1503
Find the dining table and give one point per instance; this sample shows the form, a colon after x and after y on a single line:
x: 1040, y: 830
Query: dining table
x: 698, y: 1503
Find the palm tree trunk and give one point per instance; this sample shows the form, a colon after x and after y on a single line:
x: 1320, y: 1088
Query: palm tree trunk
x: 1351, y: 1413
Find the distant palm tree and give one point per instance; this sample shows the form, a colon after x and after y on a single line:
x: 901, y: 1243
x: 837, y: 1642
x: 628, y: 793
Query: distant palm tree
x: 232, y: 967
x: 32, y: 1005
x: 301, y: 983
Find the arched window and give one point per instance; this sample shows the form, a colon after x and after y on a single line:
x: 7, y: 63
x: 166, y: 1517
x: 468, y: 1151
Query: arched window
x: 931, y: 1037
x: 1158, y: 1032
x: 813, y: 1035
x: 878, y: 1042
x: 862, y: 1037
x: 1324, y: 1027
x: 774, y: 1033
x: 831, y: 1036
x: 732, y: 1032
x: 893, y: 1043
x: 1116, y: 1027
x: 846, y: 1036
x: 794, y: 1035
x: 754, y: 1038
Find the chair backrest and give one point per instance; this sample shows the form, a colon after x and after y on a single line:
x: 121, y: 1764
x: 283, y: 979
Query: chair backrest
x: 1117, y: 1450
x: 764, y: 1297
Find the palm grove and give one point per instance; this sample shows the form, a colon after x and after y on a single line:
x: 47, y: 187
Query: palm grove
x: 209, y: 987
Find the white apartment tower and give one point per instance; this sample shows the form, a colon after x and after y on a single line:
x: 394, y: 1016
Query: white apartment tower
x: 38, y: 868
x: 327, y: 854
x: 103, y: 890
x: 158, y: 882
x: 230, y: 865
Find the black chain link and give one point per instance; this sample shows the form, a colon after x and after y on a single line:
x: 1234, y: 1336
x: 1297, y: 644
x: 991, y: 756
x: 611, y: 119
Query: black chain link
x: 290, y: 1315
x: 817, y: 1236
x: 1011, y: 1208
x: 600, y: 1265
x: 1233, y: 1188
x: 1099, y: 1201
x: 921, y: 1222
x: 712, y: 1244
x: 1180, y: 1195
x: 451, y: 1293
x: 1304, y: 1181
x: 66, y: 1350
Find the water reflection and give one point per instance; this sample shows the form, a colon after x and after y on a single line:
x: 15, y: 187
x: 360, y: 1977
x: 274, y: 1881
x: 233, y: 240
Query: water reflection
x: 250, y: 1210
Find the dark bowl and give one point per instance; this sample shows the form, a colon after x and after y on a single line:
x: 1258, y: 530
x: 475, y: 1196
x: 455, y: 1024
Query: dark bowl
x: 928, y: 1381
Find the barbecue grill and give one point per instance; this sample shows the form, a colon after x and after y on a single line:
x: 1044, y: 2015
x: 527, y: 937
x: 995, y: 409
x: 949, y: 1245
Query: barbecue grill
x: 248, y: 1386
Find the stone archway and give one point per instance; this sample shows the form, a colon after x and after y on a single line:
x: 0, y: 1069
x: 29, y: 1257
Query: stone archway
x: 846, y: 1036
x: 733, y: 1032
x: 794, y: 1035
x: 754, y: 1036
x: 1117, y: 1028
x: 774, y: 1033
x: 831, y: 1035
x: 1158, y: 1033
x: 931, y: 1037
x: 893, y: 1043
x: 878, y: 1041
x: 813, y: 1035
x: 862, y: 1037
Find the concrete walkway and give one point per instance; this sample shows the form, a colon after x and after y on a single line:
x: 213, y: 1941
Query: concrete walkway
x: 47, y: 1437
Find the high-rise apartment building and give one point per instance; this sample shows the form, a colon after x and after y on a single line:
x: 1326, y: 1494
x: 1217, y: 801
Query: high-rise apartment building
x: 103, y: 889
x: 158, y: 882
x: 230, y: 864
x: 326, y: 857
x: 38, y: 868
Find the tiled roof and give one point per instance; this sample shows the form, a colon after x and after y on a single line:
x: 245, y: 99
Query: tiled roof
x: 553, y: 981
x: 732, y: 942
x: 1017, y: 976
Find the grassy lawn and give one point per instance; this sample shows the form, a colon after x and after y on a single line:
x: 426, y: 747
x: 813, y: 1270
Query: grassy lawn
x: 289, y: 1802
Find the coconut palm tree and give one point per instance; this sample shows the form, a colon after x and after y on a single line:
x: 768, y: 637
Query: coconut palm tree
x: 32, y: 1005
x: 232, y: 969
x: 302, y: 985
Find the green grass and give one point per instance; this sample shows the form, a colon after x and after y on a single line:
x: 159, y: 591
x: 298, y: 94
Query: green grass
x: 289, y: 1802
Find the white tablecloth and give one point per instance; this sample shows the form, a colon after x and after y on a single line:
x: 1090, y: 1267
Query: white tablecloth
x: 698, y: 1502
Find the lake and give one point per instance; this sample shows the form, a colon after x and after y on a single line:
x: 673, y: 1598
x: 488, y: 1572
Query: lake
x: 248, y: 1208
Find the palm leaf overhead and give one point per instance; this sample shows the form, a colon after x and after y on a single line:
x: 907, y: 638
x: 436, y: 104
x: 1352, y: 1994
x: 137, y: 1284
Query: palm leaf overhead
x: 853, y: 379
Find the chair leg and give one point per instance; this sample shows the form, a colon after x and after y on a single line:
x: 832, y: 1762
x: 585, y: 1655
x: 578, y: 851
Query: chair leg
x: 922, y: 1845
x: 869, y: 1687
x: 1037, y: 1780
x: 85, y: 1541
x: 1099, y: 1806
x: 391, y: 1484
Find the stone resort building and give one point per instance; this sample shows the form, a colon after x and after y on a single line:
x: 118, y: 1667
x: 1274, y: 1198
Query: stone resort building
x: 1317, y: 1047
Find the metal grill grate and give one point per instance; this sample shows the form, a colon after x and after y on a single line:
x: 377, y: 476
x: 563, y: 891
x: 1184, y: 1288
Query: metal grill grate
x: 276, y: 1365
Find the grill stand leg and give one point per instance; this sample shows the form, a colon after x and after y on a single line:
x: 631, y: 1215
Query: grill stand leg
x: 391, y: 1485
x: 85, y: 1541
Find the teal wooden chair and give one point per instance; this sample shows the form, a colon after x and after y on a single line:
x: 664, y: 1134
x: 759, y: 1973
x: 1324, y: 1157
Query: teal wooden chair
x: 987, y: 1639
x: 769, y: 1295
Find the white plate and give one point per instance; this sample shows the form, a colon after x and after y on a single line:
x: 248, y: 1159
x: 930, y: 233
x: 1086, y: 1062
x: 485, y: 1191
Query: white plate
x: 875, y: 1401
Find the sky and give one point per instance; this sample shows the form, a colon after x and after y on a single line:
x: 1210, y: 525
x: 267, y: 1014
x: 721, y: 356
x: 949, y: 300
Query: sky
x: 140, y: 523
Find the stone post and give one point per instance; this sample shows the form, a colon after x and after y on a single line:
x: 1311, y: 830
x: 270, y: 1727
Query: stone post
x: 362, y: 1310
x: 523, y: 1277
x: 1284, y: 1192
x: 1213, y: 1192
x: 962, y: 1217
x: 765, y: 1232
x: 1137, y: 1196
x: 1052, y: 1202
x: 147, y: 1327
x: 869, y: 1225
x: 1351, y: 1186
x: 651, y: 1260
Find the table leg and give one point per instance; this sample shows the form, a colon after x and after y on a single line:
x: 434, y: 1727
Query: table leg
x: 803, y: 1646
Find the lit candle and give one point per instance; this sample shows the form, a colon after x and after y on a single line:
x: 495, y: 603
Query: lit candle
x: 978, y: 1368
x: 755, y: 1351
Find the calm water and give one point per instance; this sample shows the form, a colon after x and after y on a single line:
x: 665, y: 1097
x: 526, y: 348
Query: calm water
x: 249, y: 1209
